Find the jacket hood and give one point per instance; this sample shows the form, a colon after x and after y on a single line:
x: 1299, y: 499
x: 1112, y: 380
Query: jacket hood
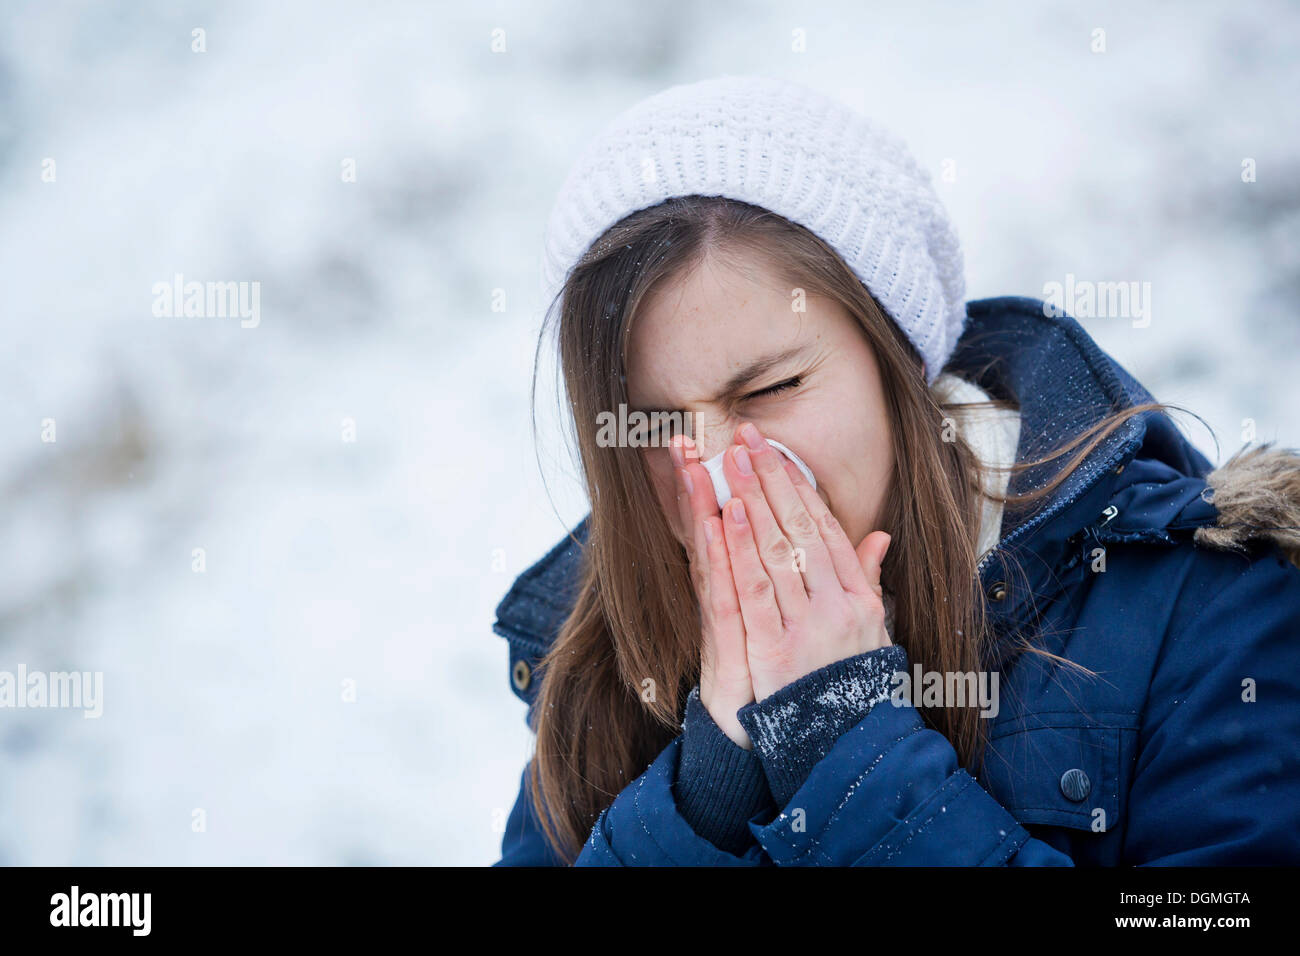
x: 1144, y: 482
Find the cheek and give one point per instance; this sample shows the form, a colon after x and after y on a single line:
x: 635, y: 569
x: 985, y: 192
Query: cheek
x: 872, y: 479
x: 857, y: 482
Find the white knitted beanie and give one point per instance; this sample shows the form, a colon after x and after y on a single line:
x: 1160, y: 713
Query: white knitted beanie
x: 783, y: 146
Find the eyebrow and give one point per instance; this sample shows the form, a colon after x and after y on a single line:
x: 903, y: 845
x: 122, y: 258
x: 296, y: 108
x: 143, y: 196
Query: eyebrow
x: 746, y: 375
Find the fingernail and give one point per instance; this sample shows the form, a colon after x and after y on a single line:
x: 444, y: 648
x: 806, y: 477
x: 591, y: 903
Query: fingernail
x: 689, y: 449
x: 675, y: 450
x: 708, y: 531
x: 737, y: 511
x: 686, y: 480
x: 742, y: 461
x: 751, y: 436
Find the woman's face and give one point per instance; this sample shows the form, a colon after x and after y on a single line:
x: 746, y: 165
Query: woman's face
x: 729, y: 349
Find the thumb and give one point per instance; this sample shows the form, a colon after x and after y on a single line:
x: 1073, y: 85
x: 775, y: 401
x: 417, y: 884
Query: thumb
x: 871, y: 554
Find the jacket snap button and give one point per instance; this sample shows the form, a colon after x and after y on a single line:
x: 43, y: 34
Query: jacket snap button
x: 998, y: 592
x: 1075, y: 784
x: 522, y: 675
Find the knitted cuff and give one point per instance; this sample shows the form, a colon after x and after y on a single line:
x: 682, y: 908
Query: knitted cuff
x: 720, y: 785
x: 796, y: 726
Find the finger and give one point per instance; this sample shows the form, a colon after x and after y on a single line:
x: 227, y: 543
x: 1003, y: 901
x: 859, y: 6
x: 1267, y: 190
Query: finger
x: 848, y: 566
x: 702, y: 501
x: 789, y: 512
x: 871, y: 554
x: 679, y: 447
x: 701, y: 504
x: 754, y: 589
x: 774, y: 548
x: 724, y: 640
x: 691, y: 532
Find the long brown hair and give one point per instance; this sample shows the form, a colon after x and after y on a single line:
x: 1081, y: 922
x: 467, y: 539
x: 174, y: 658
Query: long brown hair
x: 614, y: 683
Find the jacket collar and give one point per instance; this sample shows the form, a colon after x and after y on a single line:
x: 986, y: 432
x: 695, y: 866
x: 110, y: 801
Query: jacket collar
x: 1141, y: 482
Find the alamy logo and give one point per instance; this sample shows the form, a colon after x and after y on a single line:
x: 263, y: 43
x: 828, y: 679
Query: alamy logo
x: 1085, y: 299
x: 638, y: 429
x: 102, y: 909
x: 209, y: 300
x: 924, y: 688
x: 63, y: 690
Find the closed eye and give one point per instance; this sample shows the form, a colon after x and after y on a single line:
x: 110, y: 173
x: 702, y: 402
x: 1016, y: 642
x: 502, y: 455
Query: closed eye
x: 776, y: 389
x: 656, y: 436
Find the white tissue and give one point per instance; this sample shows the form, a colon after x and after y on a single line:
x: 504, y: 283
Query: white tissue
x: 723, y: 493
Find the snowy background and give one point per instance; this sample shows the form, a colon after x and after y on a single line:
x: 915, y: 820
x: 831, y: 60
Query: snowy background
x: 372, y: 561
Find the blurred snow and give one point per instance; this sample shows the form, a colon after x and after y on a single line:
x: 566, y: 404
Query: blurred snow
x: 372, y: 561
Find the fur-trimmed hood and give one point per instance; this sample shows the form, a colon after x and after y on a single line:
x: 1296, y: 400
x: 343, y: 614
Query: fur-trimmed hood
x: 1143, y: 483
x: 1257, y: 496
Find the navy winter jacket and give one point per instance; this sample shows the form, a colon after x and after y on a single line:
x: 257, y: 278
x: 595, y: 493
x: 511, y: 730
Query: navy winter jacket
x: 1184, y: 750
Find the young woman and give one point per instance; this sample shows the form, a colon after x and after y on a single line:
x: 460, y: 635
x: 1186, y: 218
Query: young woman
x: 1017, y: 620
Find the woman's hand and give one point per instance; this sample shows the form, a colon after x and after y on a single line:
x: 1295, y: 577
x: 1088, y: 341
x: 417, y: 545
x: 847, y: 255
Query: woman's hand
x: 805, y: 595
x: 725, y: 686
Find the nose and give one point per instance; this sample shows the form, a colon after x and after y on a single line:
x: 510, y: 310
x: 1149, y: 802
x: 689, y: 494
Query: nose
x: 712, y: 434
